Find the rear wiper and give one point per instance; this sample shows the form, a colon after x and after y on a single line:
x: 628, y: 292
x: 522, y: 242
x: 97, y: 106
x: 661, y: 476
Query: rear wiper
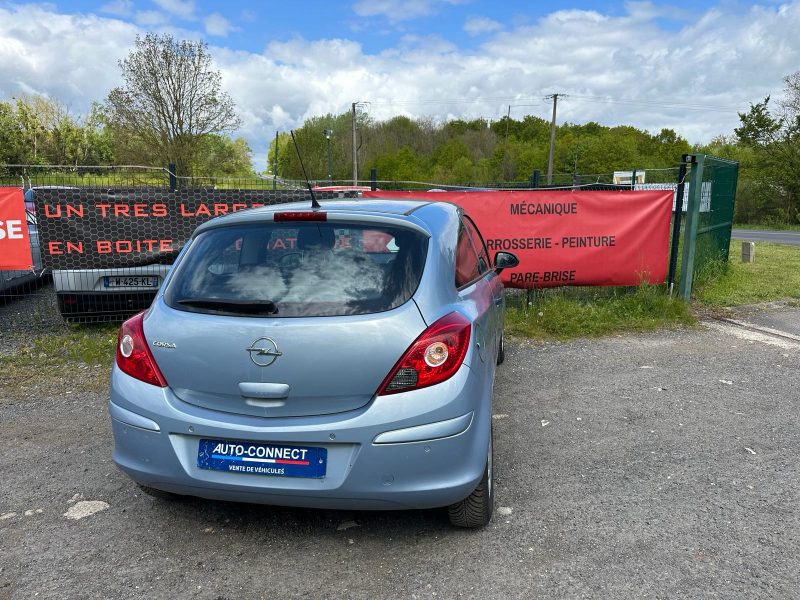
x: 250, y: 307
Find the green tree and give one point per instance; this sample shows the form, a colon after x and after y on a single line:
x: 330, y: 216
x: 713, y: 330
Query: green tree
x: 37, y: 117
x: 774, y: 138
x: 40, y: 130
x: 403, y: 165
x: 170, y: 100
x: 446, y: 154
x: 462, y: 151
x: 313, y: 146
x: 222, y: 156
x: 11, y: 150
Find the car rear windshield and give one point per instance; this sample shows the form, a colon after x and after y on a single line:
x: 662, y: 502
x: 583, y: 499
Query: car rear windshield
x: 299, y: 270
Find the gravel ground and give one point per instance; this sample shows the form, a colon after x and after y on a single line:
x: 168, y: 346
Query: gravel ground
x: 649, y: 466
x: 28, y: 312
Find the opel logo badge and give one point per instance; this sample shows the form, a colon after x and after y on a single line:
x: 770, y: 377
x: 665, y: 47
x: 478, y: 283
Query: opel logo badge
x: 264, y: 351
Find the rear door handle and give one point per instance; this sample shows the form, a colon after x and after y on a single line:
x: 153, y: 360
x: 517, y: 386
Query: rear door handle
x: 271, y: 391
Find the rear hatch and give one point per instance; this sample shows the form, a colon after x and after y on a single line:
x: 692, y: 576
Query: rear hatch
x: 290, y: 318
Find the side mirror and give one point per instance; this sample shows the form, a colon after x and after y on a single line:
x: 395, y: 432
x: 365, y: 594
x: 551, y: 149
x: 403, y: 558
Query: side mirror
x: 505, y: 260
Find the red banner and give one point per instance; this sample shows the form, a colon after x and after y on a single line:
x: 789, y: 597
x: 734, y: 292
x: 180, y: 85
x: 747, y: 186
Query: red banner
x: 15, y: 243
x: 569, y: 237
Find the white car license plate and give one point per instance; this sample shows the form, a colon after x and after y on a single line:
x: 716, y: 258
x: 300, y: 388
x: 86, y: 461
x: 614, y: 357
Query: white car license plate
x: 139, y: 281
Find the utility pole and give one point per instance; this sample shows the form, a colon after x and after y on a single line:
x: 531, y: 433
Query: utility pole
x: 355, y: 148
x: 275, y: 162
x: 552, y: 140
x: 328, y: 134
x: 508, y: 119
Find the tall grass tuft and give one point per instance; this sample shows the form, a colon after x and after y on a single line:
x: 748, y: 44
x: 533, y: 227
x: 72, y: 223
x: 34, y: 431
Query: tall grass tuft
x: 563, y: 313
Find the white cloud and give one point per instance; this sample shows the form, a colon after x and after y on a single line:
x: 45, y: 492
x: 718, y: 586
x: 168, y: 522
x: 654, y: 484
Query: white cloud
x: 399, y: 10
x: 481, y: 25
x: 217, y: 25
x: 70, y: 57
x: 150, y: 18
x: 723, y: 59
x: 180, y: 8
x: 121, y: 8
x: 644, y: 10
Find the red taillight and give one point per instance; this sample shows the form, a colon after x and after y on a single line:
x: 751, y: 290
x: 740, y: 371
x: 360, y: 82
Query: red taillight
x: 433, y: 357
x: 300, y: 216
x: 134, y: 356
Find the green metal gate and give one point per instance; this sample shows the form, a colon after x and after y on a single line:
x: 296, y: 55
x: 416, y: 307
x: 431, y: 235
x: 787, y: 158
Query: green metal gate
x: 709, y: 217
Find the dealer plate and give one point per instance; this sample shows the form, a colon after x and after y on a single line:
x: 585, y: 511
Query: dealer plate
x: 262, y: 459
x: 130, y: 281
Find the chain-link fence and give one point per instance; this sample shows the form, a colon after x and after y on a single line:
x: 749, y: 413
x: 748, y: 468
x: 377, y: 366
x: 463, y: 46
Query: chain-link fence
x: 130, y: 176
x: 80, y: 290
x: 640, y: 179
x: 710, y: 203
x: 100, y: 176
x: 103, y: 238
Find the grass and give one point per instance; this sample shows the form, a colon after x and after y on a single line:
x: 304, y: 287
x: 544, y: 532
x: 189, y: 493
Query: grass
x: 775, y: 275
x: 81, y: 356
x: 561, y: 313
x: 591, y: 312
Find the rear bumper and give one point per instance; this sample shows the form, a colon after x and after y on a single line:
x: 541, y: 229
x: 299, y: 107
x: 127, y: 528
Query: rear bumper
x: 93, y: 304
x: 157, y: 438
x: 81, y: 292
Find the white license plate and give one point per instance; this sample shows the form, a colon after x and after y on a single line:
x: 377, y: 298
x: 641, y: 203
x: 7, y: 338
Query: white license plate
x: 127, y: 281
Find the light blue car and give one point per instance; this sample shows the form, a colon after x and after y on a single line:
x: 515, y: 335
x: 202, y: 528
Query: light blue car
x: 340, y: 357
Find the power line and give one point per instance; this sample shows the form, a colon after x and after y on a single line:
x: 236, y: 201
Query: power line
x: 578, y: 97
x: 476, y: 100
x: 607, y: 100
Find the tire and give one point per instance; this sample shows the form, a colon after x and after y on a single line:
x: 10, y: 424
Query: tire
x: 501, y: 353
x: 476, y: 510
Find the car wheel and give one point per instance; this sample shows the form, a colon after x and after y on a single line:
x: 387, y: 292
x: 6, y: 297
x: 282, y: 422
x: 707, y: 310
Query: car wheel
x: 501, y: 353
x: 476, y: 509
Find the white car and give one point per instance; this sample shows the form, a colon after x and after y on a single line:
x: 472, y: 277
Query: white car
x: 102, y: 294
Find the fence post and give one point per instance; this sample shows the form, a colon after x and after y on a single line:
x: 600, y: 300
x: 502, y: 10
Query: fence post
x: 535, y: 176
x: 734, y: 182
x: 373, y: 179
x: 676, y: 224
x: 690, y: 232
x: 173, y: 180
x: 633, y: 179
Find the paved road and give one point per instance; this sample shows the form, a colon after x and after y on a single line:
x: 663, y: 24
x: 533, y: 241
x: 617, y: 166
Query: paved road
x: 781, y: 317
x: 650, y: 466
x: 786, y: 320
x: 777, y: 237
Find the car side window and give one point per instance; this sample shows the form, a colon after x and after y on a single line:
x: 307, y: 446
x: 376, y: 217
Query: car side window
x: 484, y: 262
x: 466, y: 259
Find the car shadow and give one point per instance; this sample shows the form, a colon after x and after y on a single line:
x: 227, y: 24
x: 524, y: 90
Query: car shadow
x: 244, y: 518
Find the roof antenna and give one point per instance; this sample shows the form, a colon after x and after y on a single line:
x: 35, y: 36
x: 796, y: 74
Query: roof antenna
x: 314, y: 203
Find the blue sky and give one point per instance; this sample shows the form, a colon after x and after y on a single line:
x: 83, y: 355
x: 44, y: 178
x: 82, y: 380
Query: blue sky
x: 377, y: 25
x: 682, y: 65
